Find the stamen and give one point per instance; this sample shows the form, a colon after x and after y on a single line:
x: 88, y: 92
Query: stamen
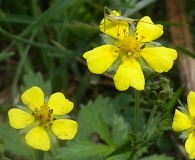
x: 130, y: 44
x: 43, y: 115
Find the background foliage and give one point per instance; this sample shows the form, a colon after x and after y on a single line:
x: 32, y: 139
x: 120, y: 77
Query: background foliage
x: 42, y: 43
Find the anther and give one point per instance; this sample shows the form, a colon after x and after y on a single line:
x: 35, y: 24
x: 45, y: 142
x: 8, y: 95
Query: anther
x: 51, y: 111
x: 142, y: 47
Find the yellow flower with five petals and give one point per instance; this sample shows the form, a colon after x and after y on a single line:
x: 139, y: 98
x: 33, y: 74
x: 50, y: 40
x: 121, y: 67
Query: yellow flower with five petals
x: 41, y: 116
x: 185, y: 121
x: 128, y: 48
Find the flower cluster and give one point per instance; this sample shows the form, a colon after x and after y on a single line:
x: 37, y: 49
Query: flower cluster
x: 40, y: 117
x: 184, y: 121
x: 128, y: 48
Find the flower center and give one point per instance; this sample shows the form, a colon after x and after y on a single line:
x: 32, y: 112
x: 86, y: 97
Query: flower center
x: 130, y: 45
x: 43, y: 115
x: 129, y: 48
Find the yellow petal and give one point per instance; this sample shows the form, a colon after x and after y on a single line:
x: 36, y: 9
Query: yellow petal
x: 101, y: 58
x: 19, y: 119
x: 64, y: 128
x: 147, y: 31
x: 181, y: 122
x: 191, y: 103
x: 113, y: 26
x: 38, y: 138
x: 190, y: 145
x: 59, y: 104
x: 128, y: 74
x: 160, y: 59
x: 33, y: 98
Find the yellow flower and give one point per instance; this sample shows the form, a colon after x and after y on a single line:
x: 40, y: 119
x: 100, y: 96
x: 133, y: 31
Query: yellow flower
x: 41, y: 116
x: 129, y: 48
x: 185, y: 121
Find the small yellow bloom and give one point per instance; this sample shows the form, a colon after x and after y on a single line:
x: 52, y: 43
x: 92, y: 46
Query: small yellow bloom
x: 127, y: 49
x: 185, y: 121
x: 41, y: 116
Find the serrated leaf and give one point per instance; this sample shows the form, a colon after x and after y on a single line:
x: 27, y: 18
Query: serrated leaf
x: 159, y: 157
x: 129, y: 116
x: 96, y: 117
x: 119, y: 129
x: 153, y: 126
x: 106, y: 109
x: 93, y: 118
x: 84, y: 151
x: 122, y: 100
x: 13, y: 141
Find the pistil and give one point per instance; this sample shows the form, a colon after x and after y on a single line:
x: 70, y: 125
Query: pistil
x: 43, y: 115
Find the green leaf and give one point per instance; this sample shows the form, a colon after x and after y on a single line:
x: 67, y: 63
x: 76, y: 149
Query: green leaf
x: 172, y: 102
x: 153, y: 126
x: 159, y: 157
x: 119, y: 129
x: 185, y: 51
x: 91, y: 116
x: 1, y: 150
x: 125, y: 147
x: 165, y: 123
x: 6, y: 56
x: 82, y: 88
x: 13, y: 141
x: 129, y: 117
x: 1, y: 147
x: 84, y: 151
x: 122, y: 100
x: 53, y: 51
x: 138, y: 6
x: 94, y: 116
x: 45, y: 17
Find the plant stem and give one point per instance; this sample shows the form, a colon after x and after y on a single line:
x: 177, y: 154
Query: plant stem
x: 149, y: 120
x: 35, y: 154
x: 132, y: 154
x: 137, y: 101
x: 136, y: 122
x: 40, y: 155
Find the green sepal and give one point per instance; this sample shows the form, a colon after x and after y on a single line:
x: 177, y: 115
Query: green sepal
x: 107, y: 39
x: 152, y: 44
x: 132, y: 29
x: 183, y: 108
x: 115, y: 65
